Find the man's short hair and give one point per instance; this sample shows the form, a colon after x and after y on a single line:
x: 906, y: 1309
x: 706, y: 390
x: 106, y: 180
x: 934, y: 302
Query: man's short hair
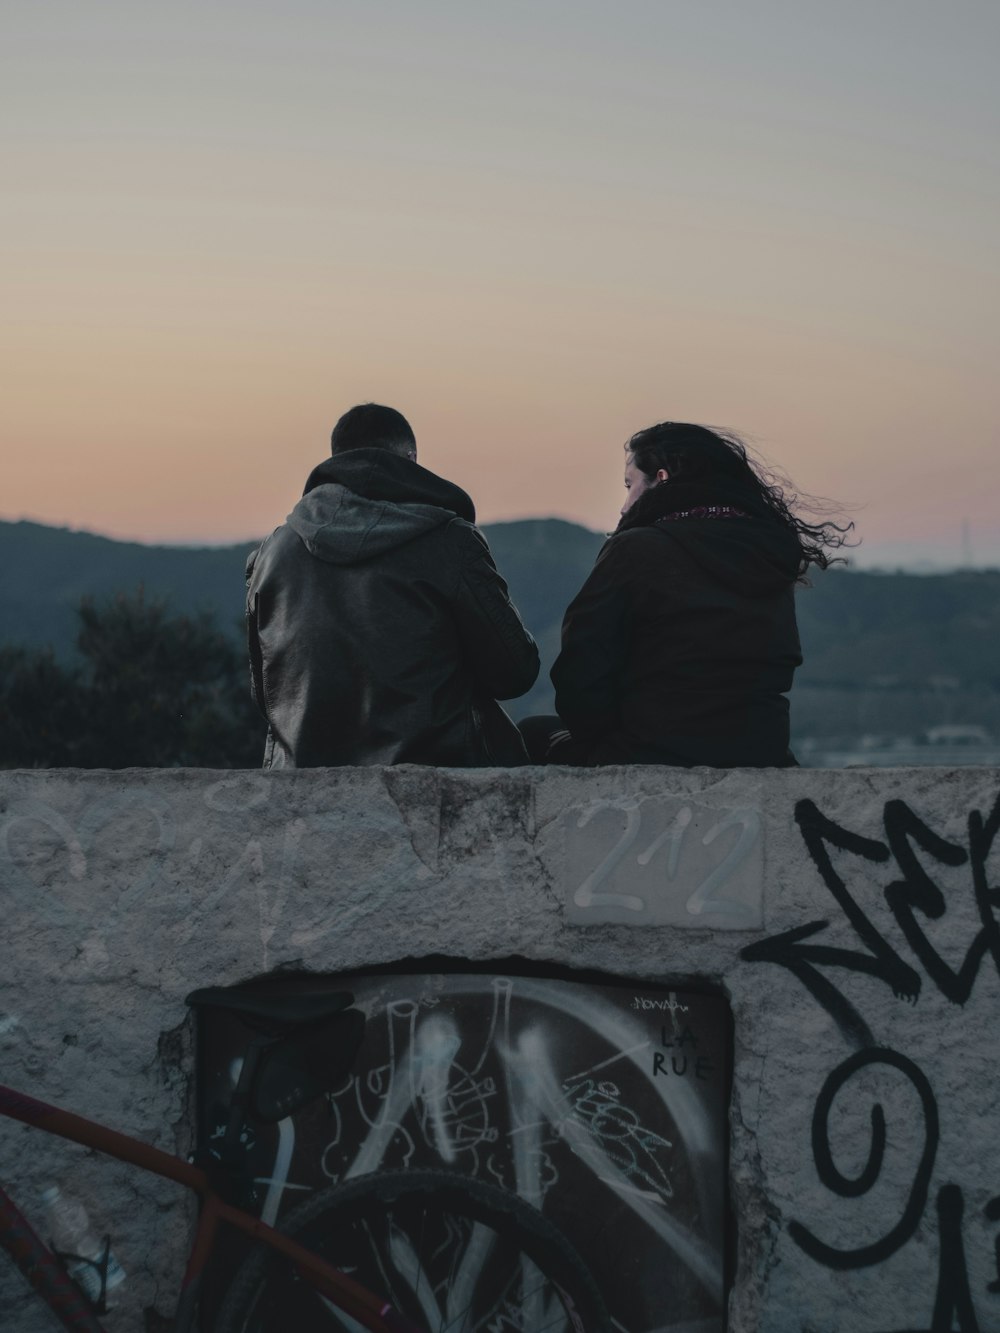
x: 371, y: 426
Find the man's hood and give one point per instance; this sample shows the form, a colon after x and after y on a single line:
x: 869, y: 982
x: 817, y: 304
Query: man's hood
x: 359, y: 504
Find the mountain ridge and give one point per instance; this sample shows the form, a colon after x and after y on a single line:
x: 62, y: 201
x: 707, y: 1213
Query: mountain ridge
x: 884, y: 651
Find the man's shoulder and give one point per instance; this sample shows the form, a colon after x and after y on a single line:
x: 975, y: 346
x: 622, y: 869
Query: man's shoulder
x: 281, y: 543
x: 463, y: 539
x: 463, y: 530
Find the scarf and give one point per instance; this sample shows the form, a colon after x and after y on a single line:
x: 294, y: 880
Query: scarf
x: 719, y: 497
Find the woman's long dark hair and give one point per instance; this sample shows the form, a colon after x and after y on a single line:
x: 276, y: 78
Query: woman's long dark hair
x: 697, y: 454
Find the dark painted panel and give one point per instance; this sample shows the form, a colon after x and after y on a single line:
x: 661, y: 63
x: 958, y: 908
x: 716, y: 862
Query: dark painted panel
x: 603, y: 1105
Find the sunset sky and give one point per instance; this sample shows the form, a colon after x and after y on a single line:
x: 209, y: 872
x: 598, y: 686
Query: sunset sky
x: 533, y: 228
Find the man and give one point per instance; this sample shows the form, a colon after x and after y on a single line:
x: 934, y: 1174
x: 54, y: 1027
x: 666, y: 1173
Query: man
x: 379, y: 629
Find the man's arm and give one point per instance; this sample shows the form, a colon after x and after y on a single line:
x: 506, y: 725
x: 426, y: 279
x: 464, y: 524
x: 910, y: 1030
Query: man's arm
x: 253, y: 639
x: 588, y: 671
x: 498, y: 648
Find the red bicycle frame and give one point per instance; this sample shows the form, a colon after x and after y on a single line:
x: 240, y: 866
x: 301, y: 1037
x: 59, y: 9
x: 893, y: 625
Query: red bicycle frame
x: 51, y: 1281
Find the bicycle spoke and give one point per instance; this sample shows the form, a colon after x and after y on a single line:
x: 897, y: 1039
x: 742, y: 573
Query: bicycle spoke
x: 554, y: 1319
x: 472, y: 1265
x: 407, y: 1263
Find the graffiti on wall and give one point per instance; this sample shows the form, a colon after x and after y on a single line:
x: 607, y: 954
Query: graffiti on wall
x: 658, y: 861
x: 31, y: 831
x: 912, y: 854
x: 62, y: 871
x: 604, y: 1107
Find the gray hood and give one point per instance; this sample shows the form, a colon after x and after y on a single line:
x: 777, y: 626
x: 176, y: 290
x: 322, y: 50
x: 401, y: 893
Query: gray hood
x: 343, y: 528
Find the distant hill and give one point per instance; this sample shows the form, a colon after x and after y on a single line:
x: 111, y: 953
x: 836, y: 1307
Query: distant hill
x: 892, y: 653
x: 45, y: 571
x: 545, y: 562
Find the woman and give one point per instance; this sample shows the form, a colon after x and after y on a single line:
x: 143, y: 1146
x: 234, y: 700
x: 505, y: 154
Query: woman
x: 681, y: 646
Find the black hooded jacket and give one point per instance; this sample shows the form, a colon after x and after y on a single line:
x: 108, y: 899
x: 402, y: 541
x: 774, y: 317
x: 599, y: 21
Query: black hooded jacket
x: 681, y: 646
x: 379, y: 629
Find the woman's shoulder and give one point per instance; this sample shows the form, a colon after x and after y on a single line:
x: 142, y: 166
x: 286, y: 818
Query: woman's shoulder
x: 638, y: 543
x: 632, y: 539
x: 629, y: 557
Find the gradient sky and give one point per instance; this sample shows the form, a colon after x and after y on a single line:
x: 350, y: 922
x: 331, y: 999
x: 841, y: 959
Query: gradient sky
x: 533, y: 228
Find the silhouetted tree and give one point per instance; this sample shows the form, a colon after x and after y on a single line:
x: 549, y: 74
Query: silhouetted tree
x: 41, y: 707
x: 153, y: 690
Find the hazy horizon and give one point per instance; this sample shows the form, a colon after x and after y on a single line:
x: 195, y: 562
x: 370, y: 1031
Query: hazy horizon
x: 884, y: 558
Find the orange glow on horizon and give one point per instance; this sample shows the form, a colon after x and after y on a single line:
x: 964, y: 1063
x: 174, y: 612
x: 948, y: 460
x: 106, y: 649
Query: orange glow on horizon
x: 532, y: 248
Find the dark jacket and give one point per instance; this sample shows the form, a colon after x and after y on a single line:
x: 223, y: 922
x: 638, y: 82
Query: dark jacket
x: 379, y: 629
x: 681, y: 645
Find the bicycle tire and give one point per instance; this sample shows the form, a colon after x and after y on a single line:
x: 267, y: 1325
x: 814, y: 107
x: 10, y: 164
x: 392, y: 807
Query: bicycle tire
x: 452, y: 1254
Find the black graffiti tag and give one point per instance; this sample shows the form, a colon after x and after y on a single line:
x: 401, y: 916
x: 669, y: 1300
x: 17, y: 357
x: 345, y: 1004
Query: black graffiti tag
x: 992, y: 1211
x: 913, y: 892
x: 982, y: 835
x: 916, y: 891
x: 788, y: 949
x: 848, y: 1187
x: 953, y: 1298
x: 914, y: 898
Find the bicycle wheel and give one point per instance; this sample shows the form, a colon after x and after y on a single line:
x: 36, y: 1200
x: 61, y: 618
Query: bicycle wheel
x: 453, y: 1255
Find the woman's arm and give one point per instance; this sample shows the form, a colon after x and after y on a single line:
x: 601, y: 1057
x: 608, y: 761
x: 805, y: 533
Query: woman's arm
x: 595, y: 643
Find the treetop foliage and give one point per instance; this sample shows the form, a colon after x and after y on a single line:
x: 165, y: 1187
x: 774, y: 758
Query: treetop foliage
x: 152, y: 689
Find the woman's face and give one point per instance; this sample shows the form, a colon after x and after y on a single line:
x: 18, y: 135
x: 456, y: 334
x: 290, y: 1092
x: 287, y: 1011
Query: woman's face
x: 637, y: 483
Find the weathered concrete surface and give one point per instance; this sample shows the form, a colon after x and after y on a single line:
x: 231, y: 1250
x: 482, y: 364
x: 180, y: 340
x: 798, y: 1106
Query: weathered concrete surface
x: 868, y: 900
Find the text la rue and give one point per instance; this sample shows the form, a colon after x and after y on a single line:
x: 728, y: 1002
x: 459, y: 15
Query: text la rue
x: 682, y: 1060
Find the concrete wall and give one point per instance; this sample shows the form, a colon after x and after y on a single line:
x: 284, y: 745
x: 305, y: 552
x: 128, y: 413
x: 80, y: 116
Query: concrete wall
x: 851, y: 918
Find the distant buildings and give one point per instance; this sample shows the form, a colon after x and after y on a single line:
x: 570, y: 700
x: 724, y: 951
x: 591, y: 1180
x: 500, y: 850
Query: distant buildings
x: 950, y: 745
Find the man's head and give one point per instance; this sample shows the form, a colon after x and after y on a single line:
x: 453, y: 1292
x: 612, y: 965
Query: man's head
x: 371, y: 426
